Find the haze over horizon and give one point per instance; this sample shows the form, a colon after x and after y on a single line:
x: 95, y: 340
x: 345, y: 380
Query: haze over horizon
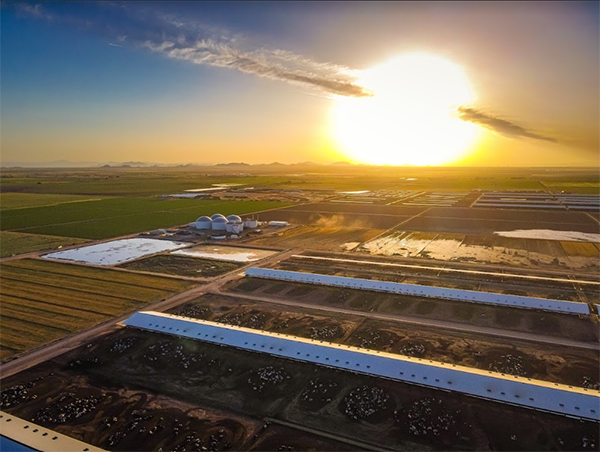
x: 258, y: 82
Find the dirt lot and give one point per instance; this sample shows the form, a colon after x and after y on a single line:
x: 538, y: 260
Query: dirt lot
x: 319, y: 238
x: 558, y: 364
x: 517, y: 215
x: 136, y: 390
x: 530, y: 321
x: 192, y: 267
x: 477, y: 248
x: 326, y: 219
x: 349, y: 208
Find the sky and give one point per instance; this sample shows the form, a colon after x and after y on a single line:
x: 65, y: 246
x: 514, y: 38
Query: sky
x: 258, y: 82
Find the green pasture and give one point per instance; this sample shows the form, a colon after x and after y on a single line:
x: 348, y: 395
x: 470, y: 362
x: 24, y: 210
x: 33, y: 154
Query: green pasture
x: 12, y: 243
x: 154, y: 181
x: 24, y: 200
x: 120, y: 216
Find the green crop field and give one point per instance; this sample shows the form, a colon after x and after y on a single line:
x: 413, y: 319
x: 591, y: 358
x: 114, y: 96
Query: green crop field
x: 125, y: 182
x: 12, y: 243
x: 155, y: 181
x: 44, y: 301
x: 25, y: 200
x: 120, y: 216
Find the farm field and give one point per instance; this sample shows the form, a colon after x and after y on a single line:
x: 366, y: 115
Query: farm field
x: 18, y: 242
x: 44, y: 301
x: 24, y: 200
x: 358, y: 209
x: 120, y: 216
x: 487, y: 226
x: 319, y: 238
x: 333, y: 220
x: 159, y: 375
x: 477, y: 221
x: 581, y: 249
x: 547, y: 217
x: 152, y: 181
x: 192, y: 267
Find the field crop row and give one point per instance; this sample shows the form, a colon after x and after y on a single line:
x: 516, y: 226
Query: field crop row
x: 95, y: 274
x: 76, y: 312
x: 12, y: 243
x: 43, y: 301
x: 580, y: 249
x: 67, y: 297
x: 136, y: 293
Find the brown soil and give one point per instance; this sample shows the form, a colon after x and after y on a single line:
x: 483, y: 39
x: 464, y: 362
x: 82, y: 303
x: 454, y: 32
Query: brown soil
x: 181, y: 394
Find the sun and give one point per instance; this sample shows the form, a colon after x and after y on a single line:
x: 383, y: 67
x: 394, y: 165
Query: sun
x: 410, y: 117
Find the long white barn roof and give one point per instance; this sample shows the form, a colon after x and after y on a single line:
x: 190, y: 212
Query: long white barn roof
x: 569, y: 307
x: 525, y: 392
x: 539, y: 200
x: 40, y: 438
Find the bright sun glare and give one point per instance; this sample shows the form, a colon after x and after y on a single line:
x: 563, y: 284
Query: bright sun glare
x: 410, y: 119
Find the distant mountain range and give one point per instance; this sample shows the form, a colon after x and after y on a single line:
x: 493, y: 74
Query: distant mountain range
x: 71, y: 164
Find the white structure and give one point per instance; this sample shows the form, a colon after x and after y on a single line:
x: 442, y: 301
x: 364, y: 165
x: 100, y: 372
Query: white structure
x: 219, y: 224
x: 544, y: 304
x: 526, y: 392
x: 204, y: 223
x: 234, y: 219
x: 116, y: 251
x: 251, y: 224
x: 278, y: 224
x: 37, y: 437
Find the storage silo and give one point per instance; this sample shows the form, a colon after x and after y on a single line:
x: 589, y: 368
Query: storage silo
x: 234, y: 219
x: 204, y: 223
x: 214, y: 216
x: 219, y: 224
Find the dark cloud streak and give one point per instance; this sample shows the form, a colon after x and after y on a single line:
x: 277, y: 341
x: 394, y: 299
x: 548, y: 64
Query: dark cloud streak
x: 498, y: 125
x: 272, y: 64
x: 177, y: 37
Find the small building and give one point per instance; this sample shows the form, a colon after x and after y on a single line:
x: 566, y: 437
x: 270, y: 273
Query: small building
x: 251, y: 224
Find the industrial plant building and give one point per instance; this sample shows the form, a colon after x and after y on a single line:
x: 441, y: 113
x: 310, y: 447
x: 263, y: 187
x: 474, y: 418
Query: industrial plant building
x: 218, y: 222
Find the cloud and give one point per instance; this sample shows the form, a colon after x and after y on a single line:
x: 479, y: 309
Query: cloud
x: 498, y: 125
x: 178, y: 37
x: 272, y: 64
x: 114, y: 45
x: 33, y: 10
